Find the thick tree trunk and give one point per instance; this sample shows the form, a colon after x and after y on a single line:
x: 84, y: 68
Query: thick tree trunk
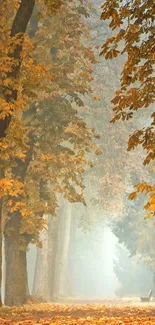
x: 16, y: 281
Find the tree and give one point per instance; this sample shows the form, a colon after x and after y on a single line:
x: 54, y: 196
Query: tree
x: 135, y: 233
x: 11, y: 47
x: 57, y: 138
x: 14, y: 46
x: 133, y: 23
x: 106, y: 182
x: 134, y: 278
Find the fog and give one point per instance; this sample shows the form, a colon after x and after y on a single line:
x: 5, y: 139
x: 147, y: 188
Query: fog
x: 98, y: 251
x: 90, y: 274
x: 71, y: 225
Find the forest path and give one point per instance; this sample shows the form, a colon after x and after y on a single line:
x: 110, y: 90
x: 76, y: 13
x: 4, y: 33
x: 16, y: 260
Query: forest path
x: 109, y: 312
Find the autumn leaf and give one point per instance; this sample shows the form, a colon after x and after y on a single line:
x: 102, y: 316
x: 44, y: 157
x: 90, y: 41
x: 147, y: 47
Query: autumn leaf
x: 133, y: 196
x: 51, y: 314
x: 96, y: 98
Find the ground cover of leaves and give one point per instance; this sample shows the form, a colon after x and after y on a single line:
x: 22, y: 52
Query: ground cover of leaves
x: 72, y: 314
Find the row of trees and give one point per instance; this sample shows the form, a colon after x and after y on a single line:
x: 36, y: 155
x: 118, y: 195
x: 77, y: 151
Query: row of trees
x: 114, y: 174
x: 47, y: 64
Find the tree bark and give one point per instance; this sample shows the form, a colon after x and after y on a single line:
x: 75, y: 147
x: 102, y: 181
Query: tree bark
x: 16, y: 280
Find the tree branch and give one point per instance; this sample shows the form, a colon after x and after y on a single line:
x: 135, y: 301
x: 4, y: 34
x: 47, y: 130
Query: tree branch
x: 19, y: 26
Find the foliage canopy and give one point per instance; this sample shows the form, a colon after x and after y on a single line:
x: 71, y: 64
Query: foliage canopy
x: 132, y: 23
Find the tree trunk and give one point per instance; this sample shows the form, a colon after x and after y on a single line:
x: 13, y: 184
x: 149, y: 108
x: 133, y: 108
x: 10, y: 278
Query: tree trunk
x: 63, y: 239
x: 45, y: 262
x: 70, y: 267
x: 1, y: 218
x: 41, y: 283
x: 16, y: 280
x: 52, y: 251
x: 24, y: 274
x: 51, y: 271
x: 52, y: 260
x: 1, y: 202
x: 153, y: 284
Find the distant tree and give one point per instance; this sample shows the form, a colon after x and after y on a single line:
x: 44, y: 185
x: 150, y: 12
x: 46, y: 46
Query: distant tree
x: 135, y: 233
x: 107, y: 181
x: 134, y: 277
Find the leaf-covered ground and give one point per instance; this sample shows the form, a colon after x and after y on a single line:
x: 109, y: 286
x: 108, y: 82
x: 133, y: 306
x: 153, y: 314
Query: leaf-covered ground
x: 67, y: 314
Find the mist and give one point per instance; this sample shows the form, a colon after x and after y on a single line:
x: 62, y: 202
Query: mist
x: 92, y: 267
x: 90, y: 271
x: 77, y: 141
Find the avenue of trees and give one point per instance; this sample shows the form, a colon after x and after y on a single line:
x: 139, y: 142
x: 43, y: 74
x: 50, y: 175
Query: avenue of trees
x: 59, y: 154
